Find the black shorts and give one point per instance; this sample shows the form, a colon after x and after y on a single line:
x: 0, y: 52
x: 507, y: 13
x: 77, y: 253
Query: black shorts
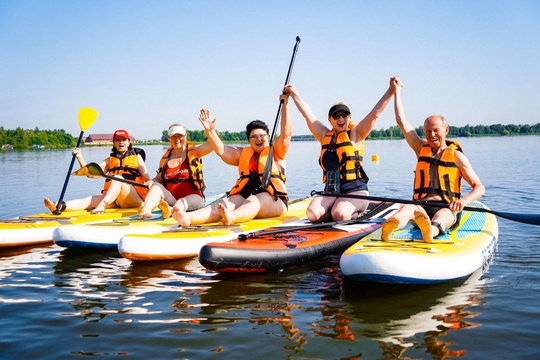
x: 432, y: 210
x: 353, y: 185
x: 254, y: 188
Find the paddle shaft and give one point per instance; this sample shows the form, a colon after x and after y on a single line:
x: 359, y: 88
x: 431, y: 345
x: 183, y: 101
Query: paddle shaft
x: 532, y: 219
x: 57, y: 211
x: 120, y: 179
x: 284, y: 229
x: 268, y: 166
x: 93, y: 169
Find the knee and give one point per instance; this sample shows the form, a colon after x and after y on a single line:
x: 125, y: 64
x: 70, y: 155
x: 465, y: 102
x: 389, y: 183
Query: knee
x: 314, y: 215
x: 339, y: 214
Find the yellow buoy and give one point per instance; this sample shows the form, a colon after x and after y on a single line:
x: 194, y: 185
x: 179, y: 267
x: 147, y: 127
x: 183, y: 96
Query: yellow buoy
x: 374, y: 157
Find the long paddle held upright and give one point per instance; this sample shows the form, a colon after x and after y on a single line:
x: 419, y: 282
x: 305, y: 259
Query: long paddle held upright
x: 87, y: 116
x: 268, y: 166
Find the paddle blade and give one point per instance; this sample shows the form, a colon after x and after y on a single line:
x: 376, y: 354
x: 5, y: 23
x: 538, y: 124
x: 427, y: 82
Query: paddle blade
x: 87, y: 116
x: 532, y: 219
x: 91, y: 169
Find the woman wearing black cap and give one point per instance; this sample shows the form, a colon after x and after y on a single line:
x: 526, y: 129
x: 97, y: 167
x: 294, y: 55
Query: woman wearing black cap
x: 124, y: 161
x: 342, y: 150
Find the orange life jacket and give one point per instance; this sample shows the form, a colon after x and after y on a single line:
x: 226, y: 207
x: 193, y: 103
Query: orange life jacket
x: 350, y: 158
x: 127, y: 166
x: 276, y: 186
x: 449, y: 176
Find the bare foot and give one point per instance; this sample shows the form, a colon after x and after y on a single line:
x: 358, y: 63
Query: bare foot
x: 145, y: 215
x: 388, y: 228
x: 49, y: 204
x: 165, y: 209
x: 182, y: 217
x: 424, y: 224
x: 100, y: 209
x: 227, y: 215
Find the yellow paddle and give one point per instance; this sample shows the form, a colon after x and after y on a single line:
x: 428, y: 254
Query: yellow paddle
x: 87, y: 116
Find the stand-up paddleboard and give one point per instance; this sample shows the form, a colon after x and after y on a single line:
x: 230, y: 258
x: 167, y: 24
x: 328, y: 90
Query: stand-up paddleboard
x: 292, y: 245
x: 39, y: 228
x: 105, y: 235
x: 407, y: 259
x: 186, y: 242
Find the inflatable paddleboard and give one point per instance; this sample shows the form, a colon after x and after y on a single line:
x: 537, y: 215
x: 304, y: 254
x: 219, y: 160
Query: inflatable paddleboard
x: 181, y: 242
x: 105, y: 235
x: 39, y: 228
x: 407, y: 259
x: 292, y: 245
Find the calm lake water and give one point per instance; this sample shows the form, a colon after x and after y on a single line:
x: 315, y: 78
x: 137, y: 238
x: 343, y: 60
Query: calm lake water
x: 59, y: 305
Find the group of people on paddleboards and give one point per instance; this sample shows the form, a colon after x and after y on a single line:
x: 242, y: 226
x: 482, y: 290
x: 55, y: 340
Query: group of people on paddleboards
x: 260, y: 190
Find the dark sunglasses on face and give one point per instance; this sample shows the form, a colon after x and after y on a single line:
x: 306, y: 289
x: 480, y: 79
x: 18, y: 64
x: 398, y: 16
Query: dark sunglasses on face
x: 340, y: 115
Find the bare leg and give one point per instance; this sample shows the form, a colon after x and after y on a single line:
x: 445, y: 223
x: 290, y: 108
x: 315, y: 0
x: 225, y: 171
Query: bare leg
x: 227, y: 215
x: 100, y: 208
x: 348, y: 208
x: 86, y: 203
x: 155, y: 194
x: 422, y: 220
x: 319, y: 208
x: 206, y: 214
x: 398, y: 221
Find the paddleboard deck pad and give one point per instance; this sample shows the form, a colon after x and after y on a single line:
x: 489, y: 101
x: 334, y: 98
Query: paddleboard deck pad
x: 406, y: 259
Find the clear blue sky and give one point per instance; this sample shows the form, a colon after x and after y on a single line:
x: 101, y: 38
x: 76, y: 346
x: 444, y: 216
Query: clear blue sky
x: 146, y: 64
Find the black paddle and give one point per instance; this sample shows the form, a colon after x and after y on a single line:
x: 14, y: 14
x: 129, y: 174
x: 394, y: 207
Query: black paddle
x: 87, y: 116
x: 284, y: 229
x: 268, y: 166
x: 533, y: 219
x: 94, y: 169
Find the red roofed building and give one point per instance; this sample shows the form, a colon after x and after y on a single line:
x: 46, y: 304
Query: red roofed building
x: 101, y: 139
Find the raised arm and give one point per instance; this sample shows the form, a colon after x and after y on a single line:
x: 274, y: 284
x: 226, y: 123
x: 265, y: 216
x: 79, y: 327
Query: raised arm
x: 229, y: 154
x: 366, y: 125
x: 412, y: 138
x: 282, y: 143
x: 316, y: 127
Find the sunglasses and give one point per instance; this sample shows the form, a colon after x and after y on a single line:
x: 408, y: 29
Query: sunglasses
x: 257, y: 137
x: 340, y: 115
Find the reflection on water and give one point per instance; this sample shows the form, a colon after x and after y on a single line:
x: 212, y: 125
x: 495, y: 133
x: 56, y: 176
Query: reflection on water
x: 99, y: 304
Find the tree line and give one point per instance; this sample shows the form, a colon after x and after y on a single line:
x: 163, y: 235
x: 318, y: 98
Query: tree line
x: 24, y: 139
x: 465, y: 131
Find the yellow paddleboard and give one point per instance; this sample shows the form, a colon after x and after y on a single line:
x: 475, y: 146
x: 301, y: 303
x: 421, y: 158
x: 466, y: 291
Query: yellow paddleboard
x: 186, y: 242
x: 407, y: 259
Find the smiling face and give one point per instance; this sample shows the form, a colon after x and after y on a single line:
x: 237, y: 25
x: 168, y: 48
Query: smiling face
x: 340, y: 121
x: 258, y: 139
x: 178, y: 141
x: 436, y: 129
x: 121, y: 144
